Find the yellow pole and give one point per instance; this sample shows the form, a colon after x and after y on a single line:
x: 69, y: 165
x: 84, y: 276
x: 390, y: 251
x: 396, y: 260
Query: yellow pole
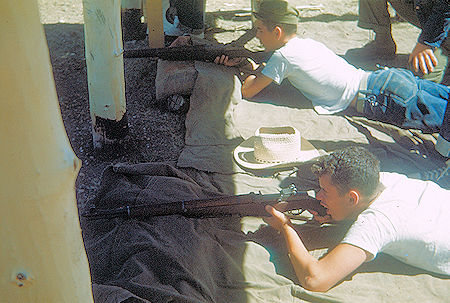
x: 153, y: 13
x: 42, y: 257
x: 104, y: 61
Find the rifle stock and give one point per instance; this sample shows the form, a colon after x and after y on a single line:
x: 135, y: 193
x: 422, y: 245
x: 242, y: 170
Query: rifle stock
x: 240, y: 205
x: 197, y: 52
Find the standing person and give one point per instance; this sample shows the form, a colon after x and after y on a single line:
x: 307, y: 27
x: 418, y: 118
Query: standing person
x: 384, y: 209
x: 391, y: 95
x: 430, y: 54
x: 187, y: 17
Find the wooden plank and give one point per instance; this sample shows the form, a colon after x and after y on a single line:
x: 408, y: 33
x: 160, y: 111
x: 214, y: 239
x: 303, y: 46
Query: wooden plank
x: 42, y: 256
x: 154, y: 15
x: 104, y: 61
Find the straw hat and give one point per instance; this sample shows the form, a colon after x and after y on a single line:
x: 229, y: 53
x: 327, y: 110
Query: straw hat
x: 274, y: 147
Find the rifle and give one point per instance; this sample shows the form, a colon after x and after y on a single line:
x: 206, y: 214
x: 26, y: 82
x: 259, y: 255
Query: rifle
x: 288, y: 200
x: 196, y: 52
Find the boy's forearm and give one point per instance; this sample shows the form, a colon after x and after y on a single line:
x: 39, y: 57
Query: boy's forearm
x: 246, y: 88
x: 303, y: 262
x: 253, y: 84
x: 321, y: 275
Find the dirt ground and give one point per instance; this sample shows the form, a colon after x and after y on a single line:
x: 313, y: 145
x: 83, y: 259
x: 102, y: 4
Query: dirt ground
x: 155, y: 133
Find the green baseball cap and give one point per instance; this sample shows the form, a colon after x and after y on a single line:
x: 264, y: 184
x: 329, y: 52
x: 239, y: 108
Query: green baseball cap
x: 278, y: 11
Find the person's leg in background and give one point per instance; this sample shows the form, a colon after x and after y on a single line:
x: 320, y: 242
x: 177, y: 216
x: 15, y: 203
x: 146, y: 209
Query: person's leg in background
x: 443, y: 141
x: 406, y: 9
x: 191, y: 14
x: 443, y: 147
x: 374, y: 15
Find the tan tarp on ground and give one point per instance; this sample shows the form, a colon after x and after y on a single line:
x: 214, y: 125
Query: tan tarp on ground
x: 174, y: 259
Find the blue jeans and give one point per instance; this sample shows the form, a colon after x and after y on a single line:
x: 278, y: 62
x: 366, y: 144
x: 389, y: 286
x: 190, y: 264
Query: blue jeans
x: 398, y: 97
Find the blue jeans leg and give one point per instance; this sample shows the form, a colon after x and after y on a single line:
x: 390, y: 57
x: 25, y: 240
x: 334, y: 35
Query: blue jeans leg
x: 398, y: 97
x: 445, y: 128
x: 443, y: 141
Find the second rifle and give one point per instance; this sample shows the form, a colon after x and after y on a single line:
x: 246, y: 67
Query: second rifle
x: 196, y: 52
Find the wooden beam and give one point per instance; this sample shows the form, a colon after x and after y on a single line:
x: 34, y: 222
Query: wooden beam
x: 154, y: 15
x: 104, y: 61
x: 42, y: 256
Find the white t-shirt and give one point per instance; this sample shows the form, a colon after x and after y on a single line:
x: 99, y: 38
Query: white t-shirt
x: 410, y: 221
x: 323, y: 77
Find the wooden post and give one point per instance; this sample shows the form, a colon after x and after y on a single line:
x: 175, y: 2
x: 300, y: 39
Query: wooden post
x: 42, y: 256
x: 153, y: 14
x: 104, y: 61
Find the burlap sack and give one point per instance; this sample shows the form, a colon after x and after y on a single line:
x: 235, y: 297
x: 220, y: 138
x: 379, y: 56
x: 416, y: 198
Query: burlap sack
x: 174, y: 78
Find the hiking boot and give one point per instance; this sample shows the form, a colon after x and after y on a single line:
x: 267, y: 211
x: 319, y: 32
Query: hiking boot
x: 376, y: 49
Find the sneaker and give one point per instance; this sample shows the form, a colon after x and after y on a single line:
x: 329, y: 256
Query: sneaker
x: 434, y: 175
x: 376, y: 49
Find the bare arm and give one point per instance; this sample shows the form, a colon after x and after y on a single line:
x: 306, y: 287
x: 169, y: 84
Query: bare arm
x: 313, y: 274
x: 254, y: 81
x: 253, y: 84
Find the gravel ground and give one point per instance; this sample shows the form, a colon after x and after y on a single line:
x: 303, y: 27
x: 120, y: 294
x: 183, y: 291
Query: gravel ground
x: 154, y: 133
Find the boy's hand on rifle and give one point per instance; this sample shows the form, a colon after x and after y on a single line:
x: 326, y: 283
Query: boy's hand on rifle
x: 321, y: 219
x: 278, y: 220
x: 181, y: 41
x: 244, y: 64
x: 224, y: 60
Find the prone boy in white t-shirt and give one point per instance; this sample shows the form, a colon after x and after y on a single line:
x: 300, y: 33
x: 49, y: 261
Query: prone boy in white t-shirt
x: 384, y: 213
x: 393, y: 95
x: 390, y: 223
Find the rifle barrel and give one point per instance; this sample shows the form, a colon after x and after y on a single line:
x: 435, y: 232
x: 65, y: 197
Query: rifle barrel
x: 243, y: 205
x: 199, y: 53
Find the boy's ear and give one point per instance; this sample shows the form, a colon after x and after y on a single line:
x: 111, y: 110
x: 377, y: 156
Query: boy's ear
x: 354, y: 196
x: 278, y: 32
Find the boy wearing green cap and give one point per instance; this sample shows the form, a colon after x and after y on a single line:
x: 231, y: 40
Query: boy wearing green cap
x: 392, y: 95
x: 323, y: 77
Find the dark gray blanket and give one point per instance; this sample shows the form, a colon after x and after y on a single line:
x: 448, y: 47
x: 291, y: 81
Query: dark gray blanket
x: 177, y: 259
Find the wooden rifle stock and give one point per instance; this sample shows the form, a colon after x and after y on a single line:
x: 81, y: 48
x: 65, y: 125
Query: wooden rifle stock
x: 240, y: 205
x: 196, y: 52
